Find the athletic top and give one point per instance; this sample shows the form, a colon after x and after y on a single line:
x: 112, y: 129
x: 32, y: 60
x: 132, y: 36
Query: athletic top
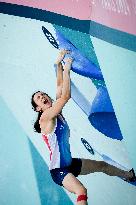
x: 58, y: 144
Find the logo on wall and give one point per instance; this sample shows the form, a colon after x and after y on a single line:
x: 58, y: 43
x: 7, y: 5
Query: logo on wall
x: 50, y: 37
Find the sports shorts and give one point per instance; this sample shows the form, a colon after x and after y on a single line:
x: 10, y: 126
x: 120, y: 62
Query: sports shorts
x: 58, y: 174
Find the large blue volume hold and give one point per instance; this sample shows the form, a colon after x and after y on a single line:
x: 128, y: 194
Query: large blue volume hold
x: 81, y: 65
x: 102, y: 115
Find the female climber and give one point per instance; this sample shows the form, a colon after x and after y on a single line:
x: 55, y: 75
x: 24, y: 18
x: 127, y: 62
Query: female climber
x: 55, y: 132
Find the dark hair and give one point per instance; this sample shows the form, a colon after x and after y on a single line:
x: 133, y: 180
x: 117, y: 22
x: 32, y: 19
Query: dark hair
x: 34, y: 106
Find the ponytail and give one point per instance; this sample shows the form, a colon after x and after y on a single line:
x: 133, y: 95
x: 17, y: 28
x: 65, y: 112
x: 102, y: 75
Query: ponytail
x: 36, y: 124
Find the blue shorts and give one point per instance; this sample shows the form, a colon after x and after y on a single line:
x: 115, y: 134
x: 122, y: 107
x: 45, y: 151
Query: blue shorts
x: 58, y: 174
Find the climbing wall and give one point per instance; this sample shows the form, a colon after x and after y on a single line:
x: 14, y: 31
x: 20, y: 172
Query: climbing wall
x: 101, y: 112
